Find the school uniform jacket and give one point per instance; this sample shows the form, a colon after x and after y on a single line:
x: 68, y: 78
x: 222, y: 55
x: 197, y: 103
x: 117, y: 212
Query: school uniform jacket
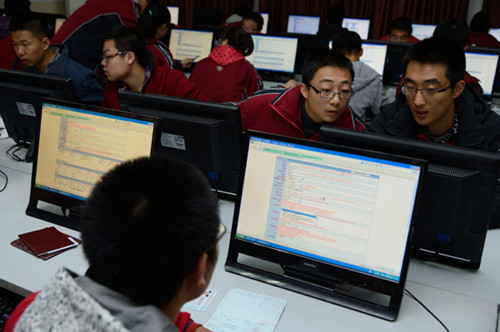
x: 280, y: 112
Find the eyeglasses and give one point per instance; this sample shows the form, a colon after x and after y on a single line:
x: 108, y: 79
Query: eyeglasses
x: 430, y: 92
x: 220, y: 233
x: 106, y: 58
x: 248, y: 29
x: 328, y: 94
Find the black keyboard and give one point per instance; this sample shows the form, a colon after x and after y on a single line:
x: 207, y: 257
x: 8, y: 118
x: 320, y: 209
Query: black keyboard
x: 8, y: 302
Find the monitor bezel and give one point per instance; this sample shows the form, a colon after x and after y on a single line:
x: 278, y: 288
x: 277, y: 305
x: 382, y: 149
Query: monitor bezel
x: 326, y: 276
x: 70, y: 206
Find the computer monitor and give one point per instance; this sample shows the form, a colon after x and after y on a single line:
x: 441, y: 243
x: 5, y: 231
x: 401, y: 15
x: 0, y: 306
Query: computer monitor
x: 457, y: 194
x: 303, y: 24
x: 274, y: 56
x: 77, y: 144
x: 333, y: 221
x: 20, y: 103
x: 422, y: 31
x: 495, y: 33
x: 360, y: 25
x: 265, y: 16
x: 482, y: 66
x: 174, y: 14
x: 188, y: 44
x: 59, y: 23
x: 204, y: 133
x: 393, y: 62
x: 374, y: 54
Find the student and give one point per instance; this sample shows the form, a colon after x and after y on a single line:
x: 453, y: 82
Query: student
x: 154, y: 24
x: 128, y: 64
x: 83, y: 30
x: 367, y: 85
x: 400, y: 30
x: 31, y: 42
x: 321, y: 98
x: 225, y: 75
x: 234, y: 20
x: 480, y: 28
x: 12, y: 8
x: 150, y: 232
x: 334, y: 18
x: 436, y: 104
x: 252, y: 22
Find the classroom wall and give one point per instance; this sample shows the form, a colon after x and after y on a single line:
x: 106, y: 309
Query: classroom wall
x: 47, y: 6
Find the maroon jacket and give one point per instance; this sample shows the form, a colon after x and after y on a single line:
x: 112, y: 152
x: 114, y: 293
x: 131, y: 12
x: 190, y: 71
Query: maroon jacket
x: 225, y: 76
x: 160, y: 50
x: 163, y: 81
x: 280, y: 112
x: 483, y: 39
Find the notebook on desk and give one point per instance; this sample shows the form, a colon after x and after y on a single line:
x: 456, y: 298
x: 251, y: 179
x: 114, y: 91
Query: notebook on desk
x: 333, y: 221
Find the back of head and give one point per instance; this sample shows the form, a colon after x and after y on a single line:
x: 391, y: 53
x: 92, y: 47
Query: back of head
x: 145, y: 226
x: 153, y: 16
x: 480, y: 22
x: 323, y: 57
x: 256, y: 17
x: 453, y: 28
x: 129, y: 39
x: 239, y: 39
x: 335, y: 14
x: 32, y: 22
x: 440, y: 51
x: 14, y: 7
x: 400, y: 23
x: 347, y: 42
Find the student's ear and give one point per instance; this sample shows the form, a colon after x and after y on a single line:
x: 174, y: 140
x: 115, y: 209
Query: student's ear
x: 45, y: 43
x: 130, y: 56
x: 304, y: 89
x: 197, y: 278
x: 361, y: 53
x: 458, y: 89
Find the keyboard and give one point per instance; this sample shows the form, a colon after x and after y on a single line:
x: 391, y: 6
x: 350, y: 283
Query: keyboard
x: 8, y: 302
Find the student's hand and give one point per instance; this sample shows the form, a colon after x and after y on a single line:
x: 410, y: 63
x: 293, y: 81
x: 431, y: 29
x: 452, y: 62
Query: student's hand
x: 201, y: 329
x: 186, y: 63
x: 290, y: 84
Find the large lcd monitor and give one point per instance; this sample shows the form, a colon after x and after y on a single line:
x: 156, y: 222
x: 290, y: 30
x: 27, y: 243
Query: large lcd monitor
x: 495, y: 33
x: 20, y: 103
x: 303, y: 24
x: 333, y: 221
x: 422, y: 31
x: 274, y: 56
x: 174, y: 14
x: 374, y: 55
x: 457, y: 194
x: 394, y: 62
x: 359, y: 25
x: 482, y: 66
x: 265, y: 17
x: 204, y: 133
x: 77, y: 144
x: 189, y: 44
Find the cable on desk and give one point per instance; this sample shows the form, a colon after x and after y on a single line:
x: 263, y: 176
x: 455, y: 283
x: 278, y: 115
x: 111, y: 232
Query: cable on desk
x: 12, y: 154
x: 6, y: 180
x: 428, y: 310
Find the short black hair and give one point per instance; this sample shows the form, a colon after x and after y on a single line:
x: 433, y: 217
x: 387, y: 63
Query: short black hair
x: 480, y: 22
x: 453, y: 28
x: 256, y: 17
x: 129, y: 39
x: 145, y: 226
x: 346, y: 42
x: 400, y: 23
x: 335, y: 14
x: 323, y: 57
x: 239, y: 39
x: 438, y: 50
x: 32, y: 22
x: 14, y: 7
x: 153, y: 16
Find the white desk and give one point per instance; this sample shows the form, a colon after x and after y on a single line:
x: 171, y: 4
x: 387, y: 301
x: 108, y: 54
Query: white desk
x: 463, y: 300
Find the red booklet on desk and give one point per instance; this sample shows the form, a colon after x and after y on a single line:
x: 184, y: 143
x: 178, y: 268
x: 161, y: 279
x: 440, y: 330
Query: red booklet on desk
x: 45, y: 243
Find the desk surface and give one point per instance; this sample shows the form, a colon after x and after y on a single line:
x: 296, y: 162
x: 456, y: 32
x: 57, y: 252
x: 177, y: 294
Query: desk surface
x: 464, y: 300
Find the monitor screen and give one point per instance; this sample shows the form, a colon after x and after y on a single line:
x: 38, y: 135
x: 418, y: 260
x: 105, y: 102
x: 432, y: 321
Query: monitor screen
x: 422, y: 31
x: 332, y: 210
x: 374, y: 56
x: 495, y: 33
x: 174, y: 14
x: 457, y: 194
x: 59, y: 23
x: 482, y: 66
x: 77, y: 144
x: 393, y: 62
x: 188, y: 44
x: 204, y: 133
x: 303, y: 24
x: 265, y: 16
x: 274, y: 53
x: 361, y: 26
x: 20, y: 103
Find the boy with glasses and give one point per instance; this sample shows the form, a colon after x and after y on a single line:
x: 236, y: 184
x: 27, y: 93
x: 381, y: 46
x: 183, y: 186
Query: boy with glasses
x: 436, y: 104
x: 321, y: 98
